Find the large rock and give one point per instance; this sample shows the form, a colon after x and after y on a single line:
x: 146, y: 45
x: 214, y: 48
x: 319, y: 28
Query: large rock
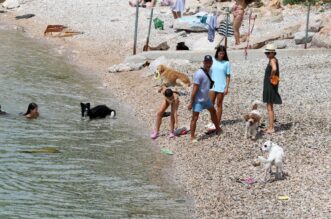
x: 204, y: 44
x: 322, y: 38
x: 10, y: 4
x: 275, y: 4
x: 300, y: 37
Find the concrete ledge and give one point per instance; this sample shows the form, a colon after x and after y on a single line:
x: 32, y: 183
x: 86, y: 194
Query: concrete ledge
x: 197, y: 56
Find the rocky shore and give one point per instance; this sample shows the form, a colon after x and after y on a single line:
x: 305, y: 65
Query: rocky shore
x: 209, y: 169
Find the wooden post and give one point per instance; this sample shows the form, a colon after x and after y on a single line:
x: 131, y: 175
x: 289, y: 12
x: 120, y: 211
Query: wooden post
x: 227, y: 32
x: 307, y: 25
x: 136, y: 28
x: 150, y: 26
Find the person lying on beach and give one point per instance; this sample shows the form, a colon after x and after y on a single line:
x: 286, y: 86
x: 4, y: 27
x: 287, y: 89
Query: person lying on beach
x: 32, y: 111
x: 143, y: 3
x: 171, y: 98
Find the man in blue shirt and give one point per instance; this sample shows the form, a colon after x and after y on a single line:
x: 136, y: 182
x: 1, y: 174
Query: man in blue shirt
x: 200, y: 99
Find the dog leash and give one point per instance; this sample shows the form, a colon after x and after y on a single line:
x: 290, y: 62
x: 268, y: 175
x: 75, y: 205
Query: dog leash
x: 250, y: 30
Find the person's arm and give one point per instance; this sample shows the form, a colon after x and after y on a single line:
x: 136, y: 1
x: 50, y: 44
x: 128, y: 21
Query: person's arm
x: 273, y: 67
x: 194, y: 92
x: 228, y: 79
x: 176, y: 112
x: 162, y: 89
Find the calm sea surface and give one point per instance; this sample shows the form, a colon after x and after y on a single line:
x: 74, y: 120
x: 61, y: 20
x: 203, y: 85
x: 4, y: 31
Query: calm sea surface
x: 105, y: 168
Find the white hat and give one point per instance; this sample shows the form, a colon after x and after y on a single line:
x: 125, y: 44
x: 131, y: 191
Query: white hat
x: 270, y: 48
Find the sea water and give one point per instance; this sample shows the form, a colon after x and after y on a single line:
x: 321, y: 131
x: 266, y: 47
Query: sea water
x: 104, y: 168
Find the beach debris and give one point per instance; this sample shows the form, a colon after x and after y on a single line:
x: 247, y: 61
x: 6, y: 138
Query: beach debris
x: 162, y: 46
x: 2, y: 11
x: 123, y: 67
x: 2, y: 113
x: 44, y: 150
x: 158, y: 23
x: 181, y: 46
x: 166, y: 114
x: 11, y: 4
x: 256, y: 163
x: 167, y: 151
x: 181, y: 131
x: 25, y: 16
x: 283, y: 197
x: 59, y: 30
x: 246, y: 181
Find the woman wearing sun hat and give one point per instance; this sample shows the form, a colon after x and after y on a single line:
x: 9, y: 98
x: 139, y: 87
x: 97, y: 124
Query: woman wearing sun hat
x: 270, y: 85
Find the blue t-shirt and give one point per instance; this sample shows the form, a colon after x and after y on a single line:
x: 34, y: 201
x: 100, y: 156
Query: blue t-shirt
x: 200, y: 78
x: 220, y: 69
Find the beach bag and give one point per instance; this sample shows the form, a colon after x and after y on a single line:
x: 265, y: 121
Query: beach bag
x: 211, y: 80
x: 158, y: 23
x: 274, y: 80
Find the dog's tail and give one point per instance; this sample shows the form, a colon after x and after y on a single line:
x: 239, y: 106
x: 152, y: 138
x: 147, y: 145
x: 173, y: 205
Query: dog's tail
x: 256, y: 103
x: 112, y: 114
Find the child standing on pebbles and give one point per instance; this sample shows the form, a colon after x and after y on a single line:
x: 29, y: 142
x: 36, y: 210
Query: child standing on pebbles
x: 171, y: 98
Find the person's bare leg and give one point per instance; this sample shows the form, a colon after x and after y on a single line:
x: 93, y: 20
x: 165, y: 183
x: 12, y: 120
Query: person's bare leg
x: 174, y: 14
x: 214, y: 119
x: 236, y: 27
x: 159, y: 115
x: 179, y: 14
x: 271, y: 115
x: 212, y: 96
x: 219, y: 106
x: 195, y: 117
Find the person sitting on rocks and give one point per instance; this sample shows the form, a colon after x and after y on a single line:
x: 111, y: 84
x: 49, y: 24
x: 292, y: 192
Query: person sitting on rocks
x: 171, y: 98
x: 143, y: 3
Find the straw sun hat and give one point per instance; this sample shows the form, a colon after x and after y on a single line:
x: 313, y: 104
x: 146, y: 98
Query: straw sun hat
x: 270, y: 48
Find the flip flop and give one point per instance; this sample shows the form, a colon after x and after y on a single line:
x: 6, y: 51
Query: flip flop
x: 167, y: 151
x: 210, y: 131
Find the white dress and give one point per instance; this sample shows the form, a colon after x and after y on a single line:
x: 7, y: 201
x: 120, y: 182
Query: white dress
x: 179, y: 6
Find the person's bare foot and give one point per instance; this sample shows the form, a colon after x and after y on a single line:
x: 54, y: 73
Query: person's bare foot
x: 270, y: 131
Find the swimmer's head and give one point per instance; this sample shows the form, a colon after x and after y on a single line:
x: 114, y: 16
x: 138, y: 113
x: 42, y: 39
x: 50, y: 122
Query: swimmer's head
x: 32, y: 107
x: 168, y: 93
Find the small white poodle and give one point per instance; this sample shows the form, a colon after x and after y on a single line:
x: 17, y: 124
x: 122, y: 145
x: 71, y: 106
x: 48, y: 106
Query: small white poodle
x: 275, y: 158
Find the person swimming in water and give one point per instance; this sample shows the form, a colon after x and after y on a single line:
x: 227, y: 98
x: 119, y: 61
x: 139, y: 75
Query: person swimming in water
x: 32, y: 111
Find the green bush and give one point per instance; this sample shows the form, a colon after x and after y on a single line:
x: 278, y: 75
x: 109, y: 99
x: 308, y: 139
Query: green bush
x: 296, y: 2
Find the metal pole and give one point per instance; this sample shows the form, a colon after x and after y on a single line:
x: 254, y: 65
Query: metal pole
x: 136, y: 28
x: 227, y: 25
x: 150, y: 26
x: 307, y: 25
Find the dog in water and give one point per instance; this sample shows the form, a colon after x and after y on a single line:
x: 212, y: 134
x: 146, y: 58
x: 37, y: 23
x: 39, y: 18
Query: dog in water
x: 98, y: 112
x: 275, y: 158
x: 171, y: 77
x: 253, y: 119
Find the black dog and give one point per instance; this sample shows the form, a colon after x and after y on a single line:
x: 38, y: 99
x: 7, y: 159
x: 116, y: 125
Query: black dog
x: 98, y: 112
x: 2, y: 113
x: 181, y: 46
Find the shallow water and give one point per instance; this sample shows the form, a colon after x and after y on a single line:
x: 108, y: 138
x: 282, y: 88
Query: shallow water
x: 105, y: 168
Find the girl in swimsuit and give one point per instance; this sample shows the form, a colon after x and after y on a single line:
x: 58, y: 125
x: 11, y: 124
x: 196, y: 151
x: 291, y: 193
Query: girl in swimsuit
x: 238, y: 11
x: 171, y: 98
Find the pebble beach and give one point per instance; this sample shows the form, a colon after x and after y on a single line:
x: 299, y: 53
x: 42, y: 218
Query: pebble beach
x: 209, y: 170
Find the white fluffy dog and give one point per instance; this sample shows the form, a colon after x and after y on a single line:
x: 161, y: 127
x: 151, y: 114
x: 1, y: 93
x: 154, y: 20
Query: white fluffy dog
x: 275, y: 158
x: 253, y: 119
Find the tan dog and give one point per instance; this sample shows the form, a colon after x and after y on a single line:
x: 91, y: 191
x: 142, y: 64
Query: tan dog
x: 171, y: 77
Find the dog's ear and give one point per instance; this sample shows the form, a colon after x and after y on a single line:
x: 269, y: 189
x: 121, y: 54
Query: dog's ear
x: 256, y: 118
x: 82, y: 104
x: 246, y: 117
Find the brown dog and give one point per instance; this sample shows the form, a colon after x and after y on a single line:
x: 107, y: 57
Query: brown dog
x: 171, y: 77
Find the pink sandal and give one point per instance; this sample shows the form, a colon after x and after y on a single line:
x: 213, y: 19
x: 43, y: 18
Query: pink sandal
x: 154, y: 135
